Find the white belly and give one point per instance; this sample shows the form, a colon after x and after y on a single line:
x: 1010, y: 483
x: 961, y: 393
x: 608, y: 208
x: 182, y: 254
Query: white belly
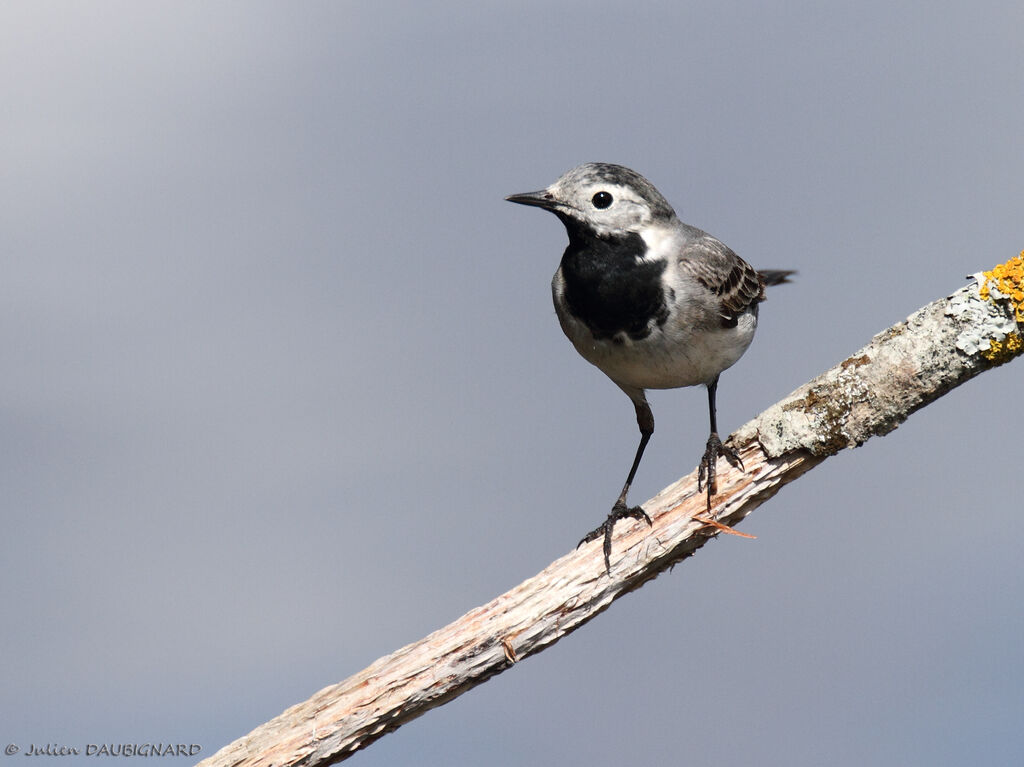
x: 672, y: 356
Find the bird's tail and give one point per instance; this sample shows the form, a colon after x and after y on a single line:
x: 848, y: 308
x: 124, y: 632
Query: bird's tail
x: 776, y: 276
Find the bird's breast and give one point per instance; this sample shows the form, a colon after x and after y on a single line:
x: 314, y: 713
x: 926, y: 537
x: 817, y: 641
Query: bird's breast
x: 608, y: 286
x: 653, y: 336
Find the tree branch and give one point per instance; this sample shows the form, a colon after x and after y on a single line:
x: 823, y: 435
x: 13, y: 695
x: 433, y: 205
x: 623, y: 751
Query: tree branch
x: 870, y: 393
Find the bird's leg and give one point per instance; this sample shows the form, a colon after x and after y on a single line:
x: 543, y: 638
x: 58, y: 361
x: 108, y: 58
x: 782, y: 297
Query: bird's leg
x: 714, y: 449
x: 645, y: 420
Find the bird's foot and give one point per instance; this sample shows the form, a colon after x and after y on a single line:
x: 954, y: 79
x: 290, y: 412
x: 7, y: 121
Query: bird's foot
x: 619, y: 511
x: 714, y: 449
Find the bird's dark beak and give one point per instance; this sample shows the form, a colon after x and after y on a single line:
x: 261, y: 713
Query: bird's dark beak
x: 541, y: 199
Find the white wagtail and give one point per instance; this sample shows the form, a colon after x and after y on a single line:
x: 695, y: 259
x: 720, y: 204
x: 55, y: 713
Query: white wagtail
x: 651, y: 301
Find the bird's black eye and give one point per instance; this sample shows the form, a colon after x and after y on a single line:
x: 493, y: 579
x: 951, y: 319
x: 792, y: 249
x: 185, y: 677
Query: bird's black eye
x: 601, y: 200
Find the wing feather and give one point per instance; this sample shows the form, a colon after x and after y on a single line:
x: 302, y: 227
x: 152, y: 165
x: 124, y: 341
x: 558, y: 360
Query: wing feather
x: 735, y: 283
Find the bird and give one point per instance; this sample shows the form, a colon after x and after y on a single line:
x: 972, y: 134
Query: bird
x: 652, y: 302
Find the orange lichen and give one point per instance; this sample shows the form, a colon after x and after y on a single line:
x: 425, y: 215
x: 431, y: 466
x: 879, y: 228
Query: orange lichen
x: 1005, y: 350
x: 1006, y: 282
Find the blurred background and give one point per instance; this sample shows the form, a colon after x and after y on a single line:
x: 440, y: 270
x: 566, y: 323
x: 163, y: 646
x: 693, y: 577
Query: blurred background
x: 283, y: 389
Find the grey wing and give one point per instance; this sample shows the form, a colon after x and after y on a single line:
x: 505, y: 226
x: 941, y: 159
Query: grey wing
x: 736, y: 283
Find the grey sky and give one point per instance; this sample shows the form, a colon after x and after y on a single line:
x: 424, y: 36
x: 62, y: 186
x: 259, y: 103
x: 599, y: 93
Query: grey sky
x: 283, y: 389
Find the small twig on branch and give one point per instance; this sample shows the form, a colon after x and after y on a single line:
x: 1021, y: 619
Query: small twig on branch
x: 870, y: 393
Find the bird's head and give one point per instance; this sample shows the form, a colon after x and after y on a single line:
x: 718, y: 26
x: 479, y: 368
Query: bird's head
x: 602, y: 199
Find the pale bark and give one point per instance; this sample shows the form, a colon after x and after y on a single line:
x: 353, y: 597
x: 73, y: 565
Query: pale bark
x: 869, y: 393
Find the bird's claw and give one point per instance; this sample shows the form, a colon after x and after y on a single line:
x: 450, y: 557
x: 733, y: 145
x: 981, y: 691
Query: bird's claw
x: 714, y: 449
x: 619, y: 511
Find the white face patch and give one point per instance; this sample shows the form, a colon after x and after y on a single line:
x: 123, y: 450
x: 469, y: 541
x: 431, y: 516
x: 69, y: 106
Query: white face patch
x: 626, y: 212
